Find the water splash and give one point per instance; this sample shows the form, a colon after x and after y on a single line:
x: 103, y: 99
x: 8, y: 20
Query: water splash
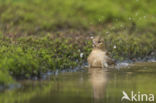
x: 122, y: 65
x: 81, y: 55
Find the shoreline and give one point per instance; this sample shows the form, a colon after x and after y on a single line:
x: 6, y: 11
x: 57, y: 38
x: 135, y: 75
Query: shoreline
x: 47, y: 75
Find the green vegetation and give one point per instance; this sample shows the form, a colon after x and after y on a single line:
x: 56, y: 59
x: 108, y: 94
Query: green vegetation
x: 38, y: 35
x: 38, y: 16
x: 31, y: 56
x: 5, y: 78
x: 124, y: 46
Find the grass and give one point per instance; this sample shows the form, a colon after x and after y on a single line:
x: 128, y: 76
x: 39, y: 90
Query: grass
x: 38, y: 16
x: 37, y: 36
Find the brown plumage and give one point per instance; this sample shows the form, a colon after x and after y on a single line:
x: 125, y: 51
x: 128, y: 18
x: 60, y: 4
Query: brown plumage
x: 99, y: 57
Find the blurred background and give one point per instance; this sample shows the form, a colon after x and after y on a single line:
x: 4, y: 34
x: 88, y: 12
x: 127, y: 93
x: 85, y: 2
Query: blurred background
x: 37, y: 17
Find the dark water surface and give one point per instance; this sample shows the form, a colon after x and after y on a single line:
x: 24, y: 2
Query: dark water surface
x: 93, y: 86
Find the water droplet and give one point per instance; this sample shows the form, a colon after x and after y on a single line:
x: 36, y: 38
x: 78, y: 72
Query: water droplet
x: 91, y: 37
x: 113, y: 28
x: 114, y: 47
x: 81, y: 55
x: 99, y: 19
x: 136, y: 14
x: 107, y: 32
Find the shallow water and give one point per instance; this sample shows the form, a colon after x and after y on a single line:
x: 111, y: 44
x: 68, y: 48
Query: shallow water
x: 91, y: 86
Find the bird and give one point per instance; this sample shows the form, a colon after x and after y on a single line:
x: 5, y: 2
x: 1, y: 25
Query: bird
x: 99, y: 57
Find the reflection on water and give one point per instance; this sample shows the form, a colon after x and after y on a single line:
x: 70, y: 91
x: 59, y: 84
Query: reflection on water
x: 94, y: 86
x: 98, y: 78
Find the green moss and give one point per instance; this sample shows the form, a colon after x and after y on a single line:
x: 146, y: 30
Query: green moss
x: 48, y: 35
x: 30, y: 56
x: 130, y: 46
x: 5, y: 78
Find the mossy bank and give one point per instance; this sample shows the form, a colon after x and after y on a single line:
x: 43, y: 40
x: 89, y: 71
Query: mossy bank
x: 38, y: 36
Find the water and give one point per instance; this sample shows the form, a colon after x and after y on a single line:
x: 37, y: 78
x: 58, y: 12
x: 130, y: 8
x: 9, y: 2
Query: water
x: 91, y: 86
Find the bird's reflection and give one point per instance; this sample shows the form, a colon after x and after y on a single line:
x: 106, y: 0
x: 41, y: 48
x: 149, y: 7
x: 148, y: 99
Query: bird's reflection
x: 98, y: 79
